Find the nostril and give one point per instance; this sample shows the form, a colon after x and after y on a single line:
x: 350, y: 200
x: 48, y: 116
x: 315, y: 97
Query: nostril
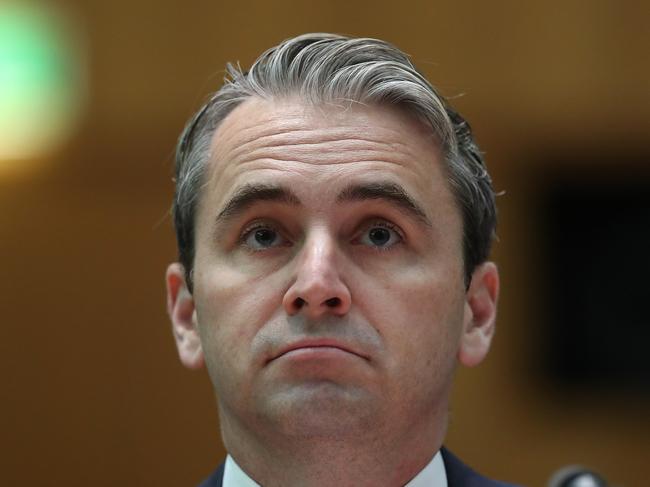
x: 299, y: 303
x: 333, y: 302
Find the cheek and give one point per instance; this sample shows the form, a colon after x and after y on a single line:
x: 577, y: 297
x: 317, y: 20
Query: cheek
x: 231, y: 309
x: 421, y: 331
x: 419, y: 315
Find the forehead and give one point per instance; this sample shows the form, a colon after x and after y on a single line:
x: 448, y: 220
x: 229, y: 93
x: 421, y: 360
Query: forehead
x: 317, y: 149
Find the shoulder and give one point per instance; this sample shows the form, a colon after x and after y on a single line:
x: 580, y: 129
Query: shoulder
x: 460, y: 475
x: 215, y: 479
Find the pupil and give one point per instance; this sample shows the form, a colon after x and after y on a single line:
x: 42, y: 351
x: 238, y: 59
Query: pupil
x: 379, y: 236
x: 265, y: 236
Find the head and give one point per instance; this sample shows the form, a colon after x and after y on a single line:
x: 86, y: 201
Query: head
x: 325, y: 68
x: 334, y: 218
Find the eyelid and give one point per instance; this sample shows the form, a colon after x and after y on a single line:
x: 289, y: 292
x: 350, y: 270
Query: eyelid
x: 254, y: 225
x: 368, y: 223
x: 381, y: 222
x: 258, y: 224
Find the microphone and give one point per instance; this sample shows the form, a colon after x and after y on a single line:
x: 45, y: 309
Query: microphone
x: 576, y: 476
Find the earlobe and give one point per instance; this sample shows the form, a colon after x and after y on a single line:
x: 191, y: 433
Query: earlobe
x: 182, y: 313
x: 480, y: 315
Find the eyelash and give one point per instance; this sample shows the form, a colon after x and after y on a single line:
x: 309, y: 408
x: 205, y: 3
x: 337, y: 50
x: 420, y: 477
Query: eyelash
x: 383, y: 224
x: 254, y: 226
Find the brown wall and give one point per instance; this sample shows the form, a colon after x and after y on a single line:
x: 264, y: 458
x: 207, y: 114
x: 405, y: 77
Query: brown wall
x: 92, y: 391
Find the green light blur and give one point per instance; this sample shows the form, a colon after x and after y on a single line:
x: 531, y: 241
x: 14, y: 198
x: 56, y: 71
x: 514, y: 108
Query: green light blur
x: 41, y: 82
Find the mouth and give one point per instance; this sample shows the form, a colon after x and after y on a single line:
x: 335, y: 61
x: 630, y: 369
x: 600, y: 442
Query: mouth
x: 321, y: 346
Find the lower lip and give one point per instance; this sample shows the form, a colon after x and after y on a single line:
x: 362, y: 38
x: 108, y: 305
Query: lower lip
x: 316, y: 353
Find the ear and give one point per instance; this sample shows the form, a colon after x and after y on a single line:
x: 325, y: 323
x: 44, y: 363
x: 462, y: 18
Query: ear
x: 480, y: 315
x: 180, y: 307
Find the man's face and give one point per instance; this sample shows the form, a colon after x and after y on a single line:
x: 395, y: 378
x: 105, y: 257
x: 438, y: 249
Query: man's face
x: 328, y: 280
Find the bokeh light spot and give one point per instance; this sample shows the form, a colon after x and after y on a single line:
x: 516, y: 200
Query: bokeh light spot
x: 42, y: 80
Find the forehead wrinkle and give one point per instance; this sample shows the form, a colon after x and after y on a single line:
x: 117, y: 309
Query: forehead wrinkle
x: 332, y: 158
x: 306, y: 139
x: 262, y: 130
x: 316, y: 148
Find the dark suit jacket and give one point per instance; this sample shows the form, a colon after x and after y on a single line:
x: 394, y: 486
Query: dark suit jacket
x: 458, y: 475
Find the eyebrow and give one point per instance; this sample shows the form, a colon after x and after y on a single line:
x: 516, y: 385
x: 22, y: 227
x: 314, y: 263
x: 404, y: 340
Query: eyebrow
x: 388, y: 191
x: 250, y: 194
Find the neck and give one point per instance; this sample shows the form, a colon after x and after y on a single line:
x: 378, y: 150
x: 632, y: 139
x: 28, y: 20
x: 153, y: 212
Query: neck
x: 378, y: 455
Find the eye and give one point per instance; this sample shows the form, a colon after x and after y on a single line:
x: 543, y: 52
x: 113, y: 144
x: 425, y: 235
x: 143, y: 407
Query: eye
x: 382, y: 235
x: 262, y: 237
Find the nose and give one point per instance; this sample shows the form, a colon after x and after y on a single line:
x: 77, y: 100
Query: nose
x: 317, y: 288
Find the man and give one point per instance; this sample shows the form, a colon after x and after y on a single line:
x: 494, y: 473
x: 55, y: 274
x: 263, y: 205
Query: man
x: 334, y: 219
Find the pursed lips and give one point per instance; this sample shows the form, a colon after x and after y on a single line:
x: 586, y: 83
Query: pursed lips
x: 318, y: 343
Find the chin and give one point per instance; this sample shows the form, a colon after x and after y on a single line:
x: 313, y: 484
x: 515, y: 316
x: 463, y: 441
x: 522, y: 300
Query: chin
x: 324, y: 409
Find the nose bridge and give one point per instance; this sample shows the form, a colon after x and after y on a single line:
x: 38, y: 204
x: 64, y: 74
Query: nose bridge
x: 318, y: 286
x: 318, y: 259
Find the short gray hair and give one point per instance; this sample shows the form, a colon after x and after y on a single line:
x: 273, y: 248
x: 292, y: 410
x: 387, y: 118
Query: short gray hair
x: 324, y: 68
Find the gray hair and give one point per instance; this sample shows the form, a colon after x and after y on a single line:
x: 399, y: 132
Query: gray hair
x: 326, y: 68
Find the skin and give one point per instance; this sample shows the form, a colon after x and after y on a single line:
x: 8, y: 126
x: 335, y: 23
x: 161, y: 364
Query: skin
x: 375, y: 288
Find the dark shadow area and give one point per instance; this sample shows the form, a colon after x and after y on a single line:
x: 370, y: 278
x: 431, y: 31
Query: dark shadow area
x: 594, y: 222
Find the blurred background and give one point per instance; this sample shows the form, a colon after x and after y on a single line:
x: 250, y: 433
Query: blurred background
x: 93, y: 95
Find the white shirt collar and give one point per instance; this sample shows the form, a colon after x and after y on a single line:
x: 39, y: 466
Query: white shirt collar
x: 433, y: 475
x: 233, y: 476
